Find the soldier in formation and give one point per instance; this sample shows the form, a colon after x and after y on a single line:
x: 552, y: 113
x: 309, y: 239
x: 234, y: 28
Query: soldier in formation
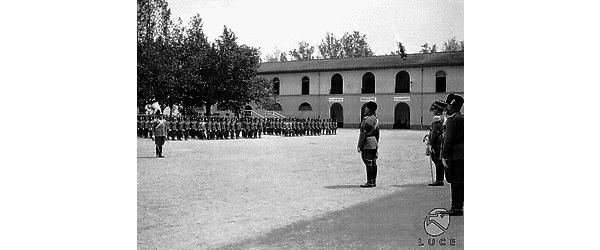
x: 225, y: 128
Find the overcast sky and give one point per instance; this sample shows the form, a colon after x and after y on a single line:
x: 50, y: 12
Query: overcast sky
x: 272, y: 25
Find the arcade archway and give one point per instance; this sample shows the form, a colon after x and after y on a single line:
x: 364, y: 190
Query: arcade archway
x: 402, y: 116
x: 336, y: 111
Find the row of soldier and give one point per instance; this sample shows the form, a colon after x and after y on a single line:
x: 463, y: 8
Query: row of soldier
x: 219, y: 128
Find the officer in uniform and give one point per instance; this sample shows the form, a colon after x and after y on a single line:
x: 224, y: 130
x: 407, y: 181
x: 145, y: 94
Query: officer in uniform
x: 194, y: 128
x: 160, y: 132
x: 215, y: 128
x: 434, y: 143
x: 209, y: 127
x: 368, y: 143
x: 178, y: 128
x: 173, y: 129
x: 229, y: 128
x: 203, y: 129
x: 139, y: 126
x: 186, y: 128
x: 453, y: 152
x: 335, y: 126
x: 225, y: 125
x: 238, y: 128
x: 260, y: 127
x: 144, y: 130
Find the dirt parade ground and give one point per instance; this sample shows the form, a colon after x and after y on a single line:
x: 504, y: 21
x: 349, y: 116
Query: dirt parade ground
x: 289, y: 193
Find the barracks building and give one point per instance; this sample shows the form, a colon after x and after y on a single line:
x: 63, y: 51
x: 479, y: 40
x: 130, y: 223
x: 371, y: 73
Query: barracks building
x: 339, y: 88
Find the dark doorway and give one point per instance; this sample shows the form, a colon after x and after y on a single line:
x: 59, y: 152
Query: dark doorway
x: 402, y: 116
x: 337, y: 112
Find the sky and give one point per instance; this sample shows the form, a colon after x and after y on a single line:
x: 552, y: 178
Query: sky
x: 281, y: 25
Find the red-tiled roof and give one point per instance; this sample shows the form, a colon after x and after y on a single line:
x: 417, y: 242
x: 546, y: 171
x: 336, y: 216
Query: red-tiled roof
x: 376, y: 62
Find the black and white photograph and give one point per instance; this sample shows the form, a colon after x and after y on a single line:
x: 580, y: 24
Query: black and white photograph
x: 300, y: 124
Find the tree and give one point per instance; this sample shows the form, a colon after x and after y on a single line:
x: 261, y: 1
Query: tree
x: 304, y: 52
x: 355, y: 45
x: 195, y: 64
x: 177, y: 66
x: 153, y: 24
x: 331, y: 47
x: 454, y: 45
x: 232, y: 81
x: 276, y: 56
x: 350, y: 45
x: 426, y: 49
x: 283, y: 57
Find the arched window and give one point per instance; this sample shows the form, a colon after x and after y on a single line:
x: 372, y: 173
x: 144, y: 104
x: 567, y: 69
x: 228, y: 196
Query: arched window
x: 305, y: 85
x: 305, y: 106
x: 337, y: 84
x: 440, y: 81
x: 276, y: 85
x: 368, y: 83
x: 276, y: 107
x: 402, y: 82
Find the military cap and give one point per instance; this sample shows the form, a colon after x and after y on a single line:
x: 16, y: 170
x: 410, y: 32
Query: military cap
x: 455, y: 100
x: 438, y: 104
x: 372, y: 106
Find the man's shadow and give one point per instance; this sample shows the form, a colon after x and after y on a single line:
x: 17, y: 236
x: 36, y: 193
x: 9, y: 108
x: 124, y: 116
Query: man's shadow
x: 358, y: 186
x: 343, y: 186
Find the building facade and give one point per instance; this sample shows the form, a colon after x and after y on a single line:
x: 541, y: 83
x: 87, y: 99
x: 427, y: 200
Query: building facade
x: 339, y: 88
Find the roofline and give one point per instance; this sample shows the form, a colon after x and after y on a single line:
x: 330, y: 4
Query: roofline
x: 361, y: 68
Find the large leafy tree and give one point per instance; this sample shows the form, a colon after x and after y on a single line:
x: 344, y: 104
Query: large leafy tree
x: 349, y: 45
x: 232, y: 81
x: 355, y: 45
x: 154, y: 76
x: 178, y: 66
x: 331, y: 47
x: 304, y: 52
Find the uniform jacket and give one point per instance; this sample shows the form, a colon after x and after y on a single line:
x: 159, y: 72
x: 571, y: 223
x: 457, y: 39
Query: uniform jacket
x: 369, y: 133
x: 435, y: 132
x: 453, y: 147
x: 159, y: 127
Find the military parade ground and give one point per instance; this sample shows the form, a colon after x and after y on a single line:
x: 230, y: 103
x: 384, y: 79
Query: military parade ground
x: 299, y: 192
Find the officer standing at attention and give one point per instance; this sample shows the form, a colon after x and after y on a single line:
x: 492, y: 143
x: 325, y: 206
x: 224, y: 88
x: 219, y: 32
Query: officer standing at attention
x: 434, y: 143
x: 453, y: 152
x: 186, y: 128
x: 208, y: 128
x: 160, y: 132
x: 368, y: 143
x: 193, y: 127
x: 173, y: 130
x: 202, y: 128
x: 237, y: 128
x: 139, y: 126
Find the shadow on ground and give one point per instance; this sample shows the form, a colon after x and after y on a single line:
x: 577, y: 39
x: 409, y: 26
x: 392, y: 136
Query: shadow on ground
x: 395, y: 221
x: 343, y: 186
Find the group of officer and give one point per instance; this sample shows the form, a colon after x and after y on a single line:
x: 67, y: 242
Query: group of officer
x: 219, y: 128
x: 445, y: 143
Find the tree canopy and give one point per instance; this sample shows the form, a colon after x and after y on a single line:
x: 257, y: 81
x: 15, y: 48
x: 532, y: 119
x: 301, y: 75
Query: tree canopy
x: 349, y: 45
x: 178, y: 65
